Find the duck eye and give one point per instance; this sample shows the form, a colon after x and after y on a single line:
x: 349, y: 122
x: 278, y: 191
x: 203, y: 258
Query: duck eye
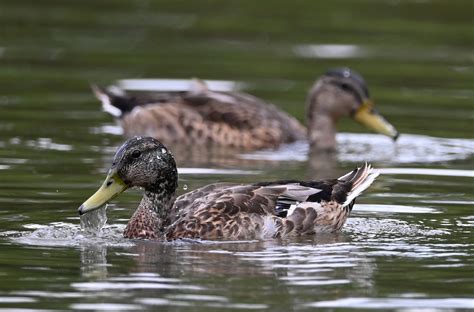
x: 136, y: 154
x: 345, y: 86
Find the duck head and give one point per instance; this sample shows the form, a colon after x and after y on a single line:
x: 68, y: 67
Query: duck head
x: 142, y: 162
x: 339, y: 93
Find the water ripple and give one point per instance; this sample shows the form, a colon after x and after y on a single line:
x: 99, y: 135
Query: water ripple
x: 4, y: 299
x: 362, y: 229
x: 105, y: 306
x: 68, y: 234
x: 394, y: 209
x: 99, y: 286
x: 396, y: 303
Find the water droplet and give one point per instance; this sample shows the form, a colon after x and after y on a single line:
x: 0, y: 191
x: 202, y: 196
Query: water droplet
x: 93, y: 222
x: 185, y: 187
x: 163, y: 151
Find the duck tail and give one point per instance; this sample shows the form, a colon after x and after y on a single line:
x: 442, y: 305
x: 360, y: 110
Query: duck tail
x: 357, y: 181
x: 113, y: 101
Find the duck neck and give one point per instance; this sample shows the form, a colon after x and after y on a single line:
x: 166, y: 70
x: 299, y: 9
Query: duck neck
x: 321, y: 119
x: 321, y: 131
x: 151, y: 215
x: 160, y: 203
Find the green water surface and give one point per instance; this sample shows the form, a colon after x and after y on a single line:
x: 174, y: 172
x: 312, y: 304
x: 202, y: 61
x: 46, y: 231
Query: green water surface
x: 409, y: 245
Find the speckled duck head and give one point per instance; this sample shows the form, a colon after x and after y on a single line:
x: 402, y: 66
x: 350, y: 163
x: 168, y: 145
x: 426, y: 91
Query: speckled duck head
x: 339, y: 93
x: 142, y: 162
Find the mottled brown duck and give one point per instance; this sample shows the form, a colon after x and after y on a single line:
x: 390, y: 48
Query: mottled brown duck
x: 227, y: 211
x: 233, y: 119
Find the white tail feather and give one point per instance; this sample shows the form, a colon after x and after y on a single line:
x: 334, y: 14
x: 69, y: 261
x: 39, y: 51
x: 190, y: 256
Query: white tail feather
x: 104, y: 98
x: 363, y: 181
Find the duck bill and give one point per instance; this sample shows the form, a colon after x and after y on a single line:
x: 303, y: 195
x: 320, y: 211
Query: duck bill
x: 367, y: 116
x: 111, y: 187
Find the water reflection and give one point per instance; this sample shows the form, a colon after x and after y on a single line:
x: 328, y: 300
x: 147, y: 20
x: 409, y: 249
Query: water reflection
x: 357, y: 147
x: 320, y: 262
x: 94, y: 261
x: 207, y: 160
x: 352, y: 148
x: 322, y: 166
x: 192, y: 273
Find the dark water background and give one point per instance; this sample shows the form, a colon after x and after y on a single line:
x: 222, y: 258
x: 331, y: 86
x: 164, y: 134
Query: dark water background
x: 409, y: 244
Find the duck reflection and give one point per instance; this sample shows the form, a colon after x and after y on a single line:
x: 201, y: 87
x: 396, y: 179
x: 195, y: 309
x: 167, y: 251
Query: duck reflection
x: 319, y: 165
x: 227, y: 268
x: 322, y: 165
x: 94, y: 261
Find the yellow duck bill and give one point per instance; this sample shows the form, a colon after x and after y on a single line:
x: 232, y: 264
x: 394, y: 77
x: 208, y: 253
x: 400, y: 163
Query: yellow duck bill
x: 111, y: 187
x: 367, y: 116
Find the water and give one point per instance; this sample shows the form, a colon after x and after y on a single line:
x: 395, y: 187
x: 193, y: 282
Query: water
x: 409, y: 242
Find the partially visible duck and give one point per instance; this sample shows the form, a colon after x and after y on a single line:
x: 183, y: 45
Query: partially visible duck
x: 223, y: 210
x: 233, y: 119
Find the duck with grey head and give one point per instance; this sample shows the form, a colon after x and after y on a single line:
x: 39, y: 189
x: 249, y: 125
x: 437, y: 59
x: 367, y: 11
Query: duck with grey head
x: 238, y: 120
x: 223, y: 210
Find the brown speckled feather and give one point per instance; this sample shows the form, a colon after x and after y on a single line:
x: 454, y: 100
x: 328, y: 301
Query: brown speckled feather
x: 222, y: 118
x: 250, y: 211
x: 238, y: 120
x: 142, y: 226
x: 234, y: 212
x: 224, y: 210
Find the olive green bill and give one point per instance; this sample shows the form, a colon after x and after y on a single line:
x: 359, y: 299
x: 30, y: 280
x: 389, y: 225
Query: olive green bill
x: 111, y: 187
x: 367, y: 116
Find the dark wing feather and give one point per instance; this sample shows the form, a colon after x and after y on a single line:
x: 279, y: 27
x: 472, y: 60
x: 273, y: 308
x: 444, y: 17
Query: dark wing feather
x: 325, y: 188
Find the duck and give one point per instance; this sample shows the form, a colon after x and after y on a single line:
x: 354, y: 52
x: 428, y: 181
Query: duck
x: 223, y: 211
x: 200, y: 116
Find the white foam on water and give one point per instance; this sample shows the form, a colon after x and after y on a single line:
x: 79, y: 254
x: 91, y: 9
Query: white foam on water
x: 105, y: 307
x: 62, y: 234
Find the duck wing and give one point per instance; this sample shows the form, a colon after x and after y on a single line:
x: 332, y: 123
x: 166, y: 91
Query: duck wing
x: 184, y: 204
x: 201, y: 116
x: 269, y: 209
x: 232, y: 211
x: 239, y: 110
